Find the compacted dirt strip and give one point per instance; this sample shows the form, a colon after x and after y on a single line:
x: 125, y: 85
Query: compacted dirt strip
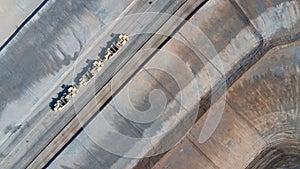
x: 86, y: 114
x: 55, y: 127
x: 246, y: 30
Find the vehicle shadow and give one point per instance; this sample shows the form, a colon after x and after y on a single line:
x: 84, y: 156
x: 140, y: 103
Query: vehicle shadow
x: 84, y: 70
x: 59, y: 95
x: 115, y: 38
x: 100, y: 55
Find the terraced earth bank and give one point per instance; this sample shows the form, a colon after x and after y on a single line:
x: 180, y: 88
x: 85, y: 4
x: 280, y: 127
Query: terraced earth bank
x: 243, y: 57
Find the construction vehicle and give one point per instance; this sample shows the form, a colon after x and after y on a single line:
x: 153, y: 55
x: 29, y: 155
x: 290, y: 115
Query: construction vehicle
x: 123, y: 38
x: 114, y: 48
x: 91, y: 72
x: 65, y: 98
x: 98, y: 64
x: 67, y: 94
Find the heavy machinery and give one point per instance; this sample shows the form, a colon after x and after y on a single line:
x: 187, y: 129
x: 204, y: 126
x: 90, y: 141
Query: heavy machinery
x: 70, y: 91
x: 91, y: 72
x: 114, y: 48
x: 65, y: 98
x: 98, y: 64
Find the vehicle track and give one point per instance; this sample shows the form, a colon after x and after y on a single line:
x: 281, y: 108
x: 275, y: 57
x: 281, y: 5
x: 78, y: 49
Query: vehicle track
x: 74, y: 127
x: 16, y: 158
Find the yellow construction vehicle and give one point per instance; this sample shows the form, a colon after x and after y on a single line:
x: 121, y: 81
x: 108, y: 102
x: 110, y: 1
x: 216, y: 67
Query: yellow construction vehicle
x: 67, y: 94
x: 114, y: 48
x: 65, y: 98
